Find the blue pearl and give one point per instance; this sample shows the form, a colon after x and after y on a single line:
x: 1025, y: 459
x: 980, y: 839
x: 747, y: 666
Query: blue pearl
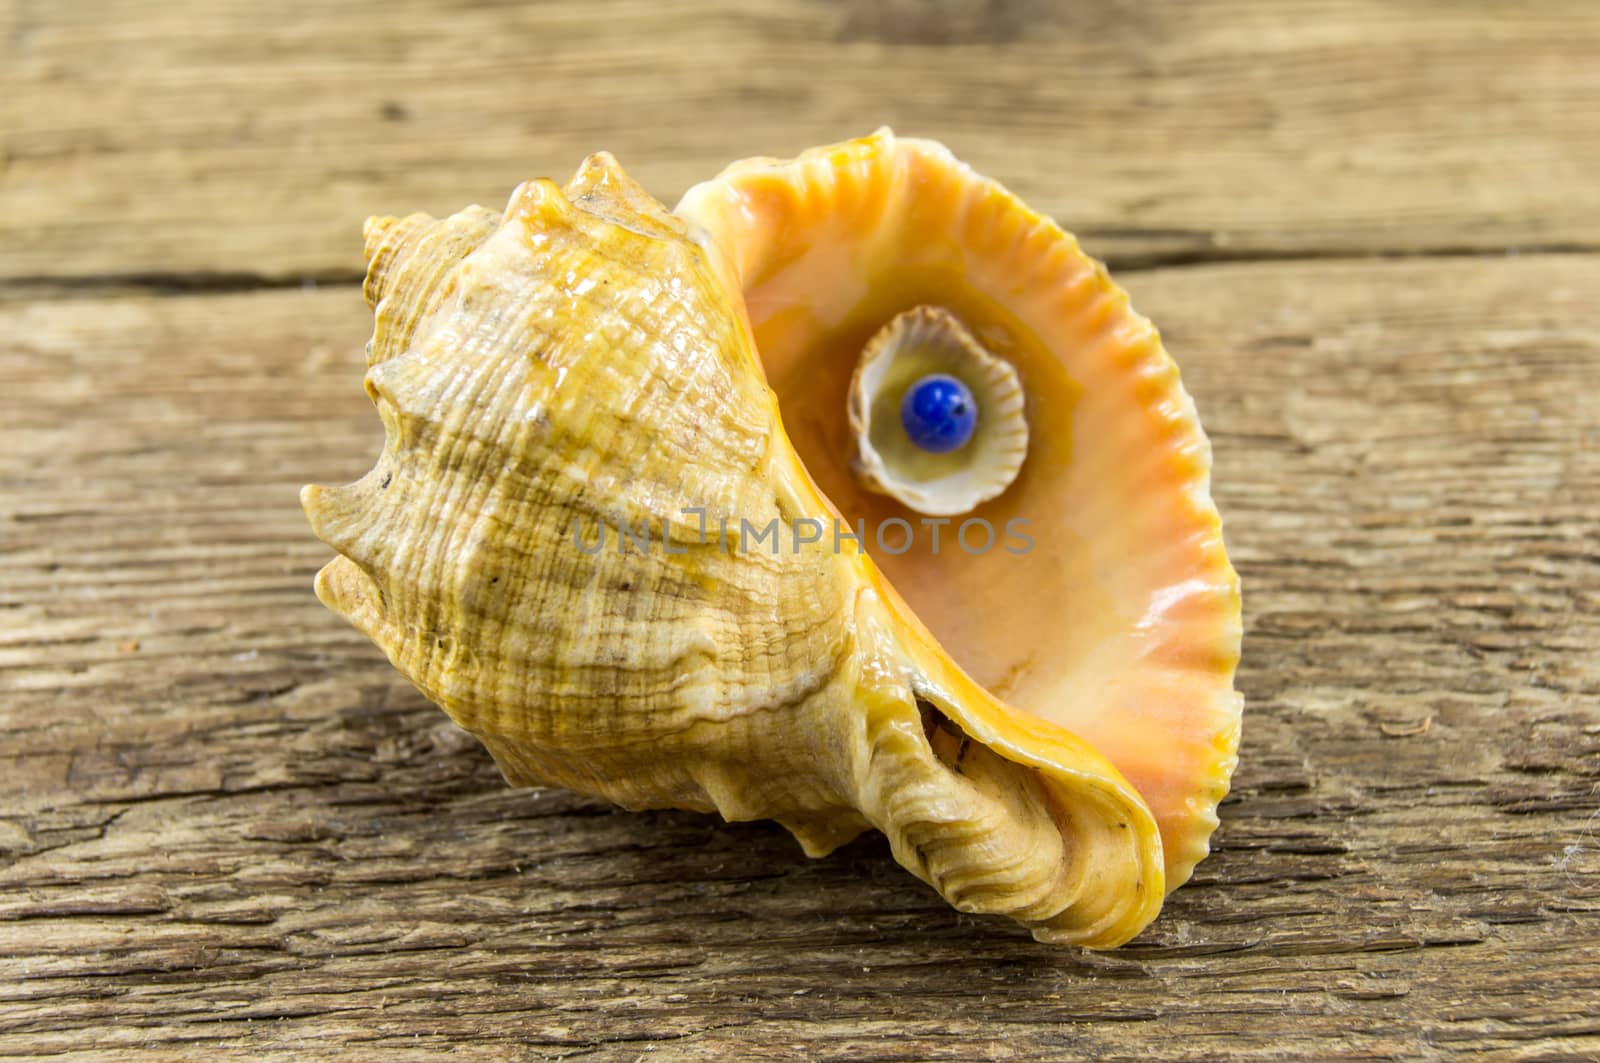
x: 939, y: 413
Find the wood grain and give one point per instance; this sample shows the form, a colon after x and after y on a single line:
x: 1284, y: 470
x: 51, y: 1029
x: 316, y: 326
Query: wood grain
x: 230, y: 829
x: 205, y: 143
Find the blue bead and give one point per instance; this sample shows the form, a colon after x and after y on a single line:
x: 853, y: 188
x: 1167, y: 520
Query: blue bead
x: 939, y: 413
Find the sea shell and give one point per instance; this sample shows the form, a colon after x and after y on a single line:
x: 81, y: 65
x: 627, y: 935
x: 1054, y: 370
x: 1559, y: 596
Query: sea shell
x: 1122, y: 622
x: 580, y: 370
x: 923, y: 342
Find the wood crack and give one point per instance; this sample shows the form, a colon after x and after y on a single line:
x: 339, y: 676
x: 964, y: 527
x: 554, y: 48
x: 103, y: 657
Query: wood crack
x: 203, y: 282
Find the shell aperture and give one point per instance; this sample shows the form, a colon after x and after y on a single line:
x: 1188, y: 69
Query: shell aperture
x: 1117, y: 614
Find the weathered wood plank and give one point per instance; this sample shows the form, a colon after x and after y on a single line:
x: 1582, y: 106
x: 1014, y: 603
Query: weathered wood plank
x: 169, y: 140
x: 227, y: 827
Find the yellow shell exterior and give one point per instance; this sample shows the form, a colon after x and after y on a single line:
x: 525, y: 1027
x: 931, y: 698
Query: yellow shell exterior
x: 583, y: 364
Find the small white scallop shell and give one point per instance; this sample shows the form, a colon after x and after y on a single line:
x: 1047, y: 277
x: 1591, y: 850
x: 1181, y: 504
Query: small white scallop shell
x: 919, y: 342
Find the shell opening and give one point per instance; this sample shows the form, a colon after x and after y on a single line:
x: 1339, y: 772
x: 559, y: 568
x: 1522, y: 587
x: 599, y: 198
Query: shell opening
x: 948, y: 741
x: 1117, y: 617
x: 940, y: 459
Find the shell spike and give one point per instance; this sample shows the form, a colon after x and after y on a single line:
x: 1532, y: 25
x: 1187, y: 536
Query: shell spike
x: 344, y: 518
x: 334, y: 513
x: 409, y: 263
x: 387, y: 239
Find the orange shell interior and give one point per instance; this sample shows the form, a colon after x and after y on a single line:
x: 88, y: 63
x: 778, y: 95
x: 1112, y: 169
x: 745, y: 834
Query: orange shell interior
x: 1106, y: 603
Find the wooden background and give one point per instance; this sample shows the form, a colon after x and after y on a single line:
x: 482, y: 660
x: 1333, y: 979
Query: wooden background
x: 1370, y: 232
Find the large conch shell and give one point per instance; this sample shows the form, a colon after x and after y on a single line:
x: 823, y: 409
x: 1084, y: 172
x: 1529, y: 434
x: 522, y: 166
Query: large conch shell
x: 554, y: 546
